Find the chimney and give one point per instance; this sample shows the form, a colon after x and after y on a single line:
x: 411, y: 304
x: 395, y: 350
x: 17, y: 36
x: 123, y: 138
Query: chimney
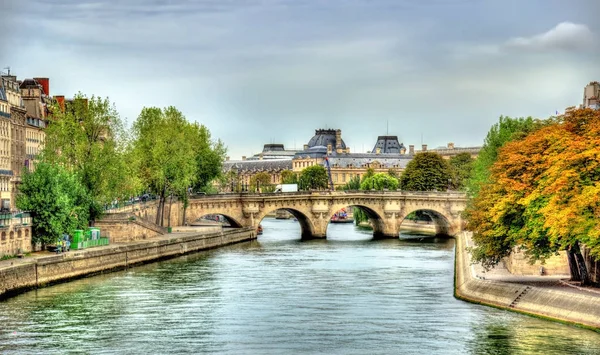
x: 450, y: 145
x: 348, y: 150
x: 338, y: 140
x: 402, y: 150
x: 378, y: 150
x: 424, y: 147
x: 227, y: 158
x: 260, y: 156
x: 411, y: 149
x: 329, y: 148
x: 45, y: 82
x: 61, y: 102
x: 243, y: 157
x: 306, y: 147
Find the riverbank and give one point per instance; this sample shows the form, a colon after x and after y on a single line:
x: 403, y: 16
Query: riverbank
x: 541, y: 296
x: 19, y: 275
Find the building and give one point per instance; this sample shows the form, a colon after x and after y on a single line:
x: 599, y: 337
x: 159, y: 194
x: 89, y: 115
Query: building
x: 6, y: 173
x: 591, y: 95
x: 387, y: 155
x: 273, y: 151
x: 450, y: 151
x: 36, y: 97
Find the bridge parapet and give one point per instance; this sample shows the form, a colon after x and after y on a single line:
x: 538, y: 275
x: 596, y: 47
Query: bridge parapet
x: 386, y: 209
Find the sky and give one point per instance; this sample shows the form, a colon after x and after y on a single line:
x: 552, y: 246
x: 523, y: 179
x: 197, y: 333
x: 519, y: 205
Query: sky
x: 273, y: 71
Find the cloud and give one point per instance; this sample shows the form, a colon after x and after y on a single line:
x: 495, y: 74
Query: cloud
x: 564, y: 37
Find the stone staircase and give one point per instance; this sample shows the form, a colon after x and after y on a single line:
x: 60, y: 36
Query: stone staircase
x: 518, y: 298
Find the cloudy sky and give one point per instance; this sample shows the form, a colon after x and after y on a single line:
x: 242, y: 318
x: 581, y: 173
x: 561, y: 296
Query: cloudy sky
x: 262, y: 71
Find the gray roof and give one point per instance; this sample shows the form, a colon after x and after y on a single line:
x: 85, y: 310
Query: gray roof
x: 388, y: 144
x: 323, y: 137
x: 258, y: 165
x: 455, y: 150
x: 361, y: 159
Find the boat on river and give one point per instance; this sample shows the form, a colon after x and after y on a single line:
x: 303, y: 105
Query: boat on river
x: 341, y: 217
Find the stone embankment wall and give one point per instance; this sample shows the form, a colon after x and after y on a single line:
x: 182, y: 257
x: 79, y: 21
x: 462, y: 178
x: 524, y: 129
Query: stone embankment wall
x: 518, y: 264
x: 127, y: 227
x: 579, y: 308
x: 51, y: 269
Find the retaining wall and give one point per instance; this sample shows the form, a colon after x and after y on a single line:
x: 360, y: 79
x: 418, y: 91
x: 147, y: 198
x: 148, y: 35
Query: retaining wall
x: 578, y: 308
x: 62, y: 267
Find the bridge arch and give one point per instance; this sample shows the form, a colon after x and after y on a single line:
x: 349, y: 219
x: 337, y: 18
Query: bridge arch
x: 443, y: 221
x: 374, y: 214
x: 307, y: 227
x: 231, y: 220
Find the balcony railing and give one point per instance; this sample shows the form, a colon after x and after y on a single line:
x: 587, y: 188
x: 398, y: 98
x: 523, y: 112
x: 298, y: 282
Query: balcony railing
x: 15, y: 219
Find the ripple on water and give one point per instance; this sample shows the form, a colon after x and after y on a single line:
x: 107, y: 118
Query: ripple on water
x: 346, y: 295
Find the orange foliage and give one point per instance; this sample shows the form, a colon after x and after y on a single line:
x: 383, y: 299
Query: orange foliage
x: 545, y: 192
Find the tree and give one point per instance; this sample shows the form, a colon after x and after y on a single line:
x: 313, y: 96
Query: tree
x: 428, y: 171
x: 353, y: 184
x: 507, y: 129
x: 209, y: 157
x: 57, y: 200
x: 313, y: 178
x: 379, y: 181
x: 461, y: 167
x: 289, y: 177
x: 86, y: 137
x: 261, y: 182
x: 165, y: 147
x: 543, y: 195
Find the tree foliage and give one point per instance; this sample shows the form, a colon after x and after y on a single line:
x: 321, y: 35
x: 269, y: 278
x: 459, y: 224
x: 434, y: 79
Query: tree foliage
x: 543, y: 193
x: 209, y: 157
x: 87, y: 138
x: 169, y: 153
x: 57, y: 200
x: 507, y: 129
x: 261, y: 182
x: 461, y: 167
x: 313, y: 178
x: 379, y: 181
x: 351, y: 185
x: 428, y: 171
x: 289, y: 177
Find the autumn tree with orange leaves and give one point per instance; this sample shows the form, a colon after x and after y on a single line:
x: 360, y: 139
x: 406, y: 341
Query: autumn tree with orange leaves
x: 543, y: 195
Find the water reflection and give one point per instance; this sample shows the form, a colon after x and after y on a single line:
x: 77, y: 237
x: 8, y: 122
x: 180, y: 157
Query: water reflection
x: 348, y: 294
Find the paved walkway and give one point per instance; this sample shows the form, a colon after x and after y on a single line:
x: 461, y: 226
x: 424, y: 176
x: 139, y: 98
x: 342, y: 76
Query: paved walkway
x: 32, y: 257
x: 559, y: 282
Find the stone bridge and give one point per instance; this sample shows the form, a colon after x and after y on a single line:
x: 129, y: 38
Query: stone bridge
x: 386, y: 209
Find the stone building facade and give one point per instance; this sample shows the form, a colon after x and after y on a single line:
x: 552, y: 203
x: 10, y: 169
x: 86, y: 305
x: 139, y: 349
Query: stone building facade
x: 36, y: 97
x: 591, y: 95
x: 388, y: 154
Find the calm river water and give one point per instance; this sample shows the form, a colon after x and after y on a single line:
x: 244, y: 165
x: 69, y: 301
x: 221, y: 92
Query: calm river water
x: 279, y: 295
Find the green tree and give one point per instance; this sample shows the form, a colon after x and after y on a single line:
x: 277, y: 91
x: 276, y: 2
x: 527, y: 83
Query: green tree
x: 165, y: 148
x: 57, y: 200
x: 313, y: 178
x: 87, y: 137
x: 209, y: 157
x: 289, y: 177
x: 461, y: 167
x: 261, y: 181
x: 353, y: 184
x: 428, y: 171
x: 379, y: 181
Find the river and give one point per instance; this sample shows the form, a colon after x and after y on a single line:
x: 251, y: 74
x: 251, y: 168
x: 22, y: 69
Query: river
x: 280, y: 295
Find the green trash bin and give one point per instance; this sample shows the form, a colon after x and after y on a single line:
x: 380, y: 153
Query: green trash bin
x: 169, y: 229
